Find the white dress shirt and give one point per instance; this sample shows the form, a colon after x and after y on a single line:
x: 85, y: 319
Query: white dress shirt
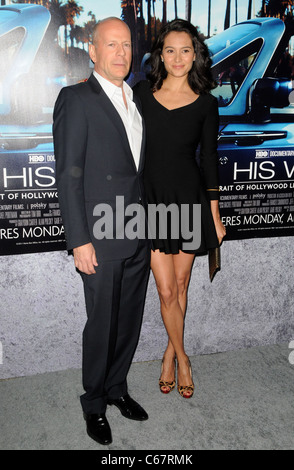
x: 130, y: 116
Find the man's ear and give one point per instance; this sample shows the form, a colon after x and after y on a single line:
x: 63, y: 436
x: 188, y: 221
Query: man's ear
x: 92, y: 52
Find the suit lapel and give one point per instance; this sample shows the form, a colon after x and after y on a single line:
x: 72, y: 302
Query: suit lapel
x: 110, y: 110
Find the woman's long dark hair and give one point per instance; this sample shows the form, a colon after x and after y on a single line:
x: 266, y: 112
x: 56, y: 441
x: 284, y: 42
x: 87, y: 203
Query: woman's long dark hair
x: 200, y: 76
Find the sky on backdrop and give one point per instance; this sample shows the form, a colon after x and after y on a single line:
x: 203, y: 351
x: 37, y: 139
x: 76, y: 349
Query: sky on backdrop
x: 105, y: 8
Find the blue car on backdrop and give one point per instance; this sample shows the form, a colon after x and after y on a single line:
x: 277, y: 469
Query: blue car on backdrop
x: 30, y: 80
x: 253, y: 69
x: 252, y: 65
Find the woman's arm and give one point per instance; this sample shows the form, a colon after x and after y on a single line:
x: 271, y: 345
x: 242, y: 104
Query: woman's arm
x: 209, y: 165
x: 219, y: 227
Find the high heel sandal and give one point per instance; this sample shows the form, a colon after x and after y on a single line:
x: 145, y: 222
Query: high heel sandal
x: 187, y: 391
x: 169, y: 386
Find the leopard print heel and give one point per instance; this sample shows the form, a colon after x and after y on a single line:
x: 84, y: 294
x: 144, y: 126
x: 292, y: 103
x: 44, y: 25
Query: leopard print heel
x: 166, y: 387
x: 187, y: 391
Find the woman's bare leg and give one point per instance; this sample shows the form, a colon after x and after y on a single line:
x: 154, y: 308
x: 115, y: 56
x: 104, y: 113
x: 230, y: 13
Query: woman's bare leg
x: 172, y: 275
x: 183, y: 265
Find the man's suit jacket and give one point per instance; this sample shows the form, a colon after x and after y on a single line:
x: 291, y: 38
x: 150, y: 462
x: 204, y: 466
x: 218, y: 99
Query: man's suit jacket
x: 94, y: 164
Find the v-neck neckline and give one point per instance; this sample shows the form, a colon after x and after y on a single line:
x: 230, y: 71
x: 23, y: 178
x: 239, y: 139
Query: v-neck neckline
x: 174, y: 109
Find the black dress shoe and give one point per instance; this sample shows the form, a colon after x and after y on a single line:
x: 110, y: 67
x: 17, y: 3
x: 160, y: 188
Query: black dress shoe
x: 129, y: 408
x: 98, y: 428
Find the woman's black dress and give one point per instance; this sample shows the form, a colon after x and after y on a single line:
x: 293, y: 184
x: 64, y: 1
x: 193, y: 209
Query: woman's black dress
x: 172, y: 174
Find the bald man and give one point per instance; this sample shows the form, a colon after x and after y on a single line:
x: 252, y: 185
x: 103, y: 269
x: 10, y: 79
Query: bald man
x: 99, y: 140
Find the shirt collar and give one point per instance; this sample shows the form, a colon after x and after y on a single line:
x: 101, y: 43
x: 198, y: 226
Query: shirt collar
x: 111, y: 89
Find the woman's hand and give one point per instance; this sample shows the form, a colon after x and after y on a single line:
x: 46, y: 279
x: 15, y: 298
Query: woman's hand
x: 220, y: 230
x: 219, y: 226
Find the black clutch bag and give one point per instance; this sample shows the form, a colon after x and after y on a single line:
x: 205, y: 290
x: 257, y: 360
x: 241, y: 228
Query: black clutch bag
x: 214, y: 261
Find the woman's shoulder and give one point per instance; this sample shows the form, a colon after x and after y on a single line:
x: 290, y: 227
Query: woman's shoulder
x: 210, y: 99
x: 211, y: 102
x: 142, y: 88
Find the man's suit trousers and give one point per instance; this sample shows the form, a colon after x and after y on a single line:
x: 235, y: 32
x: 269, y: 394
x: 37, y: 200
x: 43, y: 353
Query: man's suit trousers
x: 115, y: 298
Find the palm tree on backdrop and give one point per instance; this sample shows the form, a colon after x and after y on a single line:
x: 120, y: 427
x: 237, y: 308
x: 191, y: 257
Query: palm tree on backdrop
x: 154, y: 17
x: 228, y: 15
x: 188, y: 9
x: 151, y: 23
x: 77, y: 36
x: 45, y: 3
x: 72, y: 11
x: 176, y: 8
x: 131, y: 9
x: 263, y: 11
x: 277, y: 8
x: 273, y: 7
x: 57, y: 11
x: 83, y: 34
x: 149, y: 32
x: 236, y: 11
x: 249, y: 10
x: 209, y: 18
x: 58, y: 17
x: 88, y: 27
x: 164, y: 13
x: 141, y: 31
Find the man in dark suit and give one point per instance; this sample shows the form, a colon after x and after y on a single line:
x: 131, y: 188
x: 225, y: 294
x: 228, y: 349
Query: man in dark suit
x: 99, y: 146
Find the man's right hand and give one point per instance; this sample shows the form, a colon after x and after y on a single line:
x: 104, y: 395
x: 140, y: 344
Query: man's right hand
x: 85, y: 258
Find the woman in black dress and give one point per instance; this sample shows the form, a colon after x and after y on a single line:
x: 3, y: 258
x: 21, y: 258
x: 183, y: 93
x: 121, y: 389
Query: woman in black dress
x: 180, y: 113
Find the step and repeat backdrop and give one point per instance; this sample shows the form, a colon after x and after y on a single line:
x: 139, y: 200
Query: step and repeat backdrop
x: 44, y: 47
